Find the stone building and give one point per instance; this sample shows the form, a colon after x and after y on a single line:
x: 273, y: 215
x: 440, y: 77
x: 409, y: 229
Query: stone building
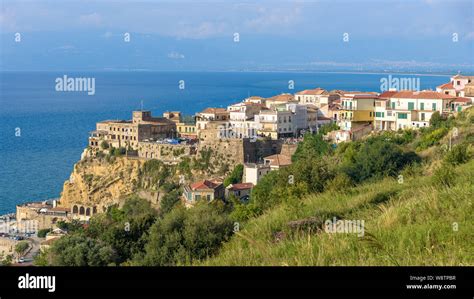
x: 127, y: 133
x: 34, y: 216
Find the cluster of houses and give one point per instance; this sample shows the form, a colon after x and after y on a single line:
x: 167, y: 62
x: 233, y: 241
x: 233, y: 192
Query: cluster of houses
x: 356, y: 113
x: 282, y: 116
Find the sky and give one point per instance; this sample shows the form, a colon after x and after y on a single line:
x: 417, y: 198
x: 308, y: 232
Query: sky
x: 225, y: 35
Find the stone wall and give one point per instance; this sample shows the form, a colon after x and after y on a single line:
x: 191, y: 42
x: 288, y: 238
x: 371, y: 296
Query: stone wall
x: 165, y: 152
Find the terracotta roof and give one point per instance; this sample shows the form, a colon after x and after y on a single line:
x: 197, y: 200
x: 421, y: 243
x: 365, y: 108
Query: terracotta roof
x: 463, y: 77
x: 214, y: 110
x: 462, y: 100
x: 278, y: 160
x: 316, y: 91
x: 408, y: 94
x: 387, y: 94
x: 241, y: 186
x: 206, y: 184
x: 284, y: 97
x: 365, y: 96
x: 446, y: 86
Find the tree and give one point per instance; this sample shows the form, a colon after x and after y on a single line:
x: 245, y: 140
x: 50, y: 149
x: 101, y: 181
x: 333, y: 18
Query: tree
x: 43, y: 232
x: 79, y: 250
x: 124, y: 229
x: 313, y: 146
x: 21, y: 247
x: 184, y: 235
x: 436, y: 120
x: 377, y: 158
x: 235, y: 176
x: 169, y: 201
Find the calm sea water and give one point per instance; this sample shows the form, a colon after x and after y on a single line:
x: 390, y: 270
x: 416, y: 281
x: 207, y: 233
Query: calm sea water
x: 54, y: 125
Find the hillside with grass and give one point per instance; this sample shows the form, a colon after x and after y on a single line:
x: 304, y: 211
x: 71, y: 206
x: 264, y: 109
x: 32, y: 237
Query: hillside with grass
x: 413, y: 190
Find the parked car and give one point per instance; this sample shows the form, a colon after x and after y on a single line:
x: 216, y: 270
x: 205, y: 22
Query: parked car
x: 21, y: 260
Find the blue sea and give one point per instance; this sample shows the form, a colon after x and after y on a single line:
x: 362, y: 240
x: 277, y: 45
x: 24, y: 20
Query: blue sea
x: 54, y: 125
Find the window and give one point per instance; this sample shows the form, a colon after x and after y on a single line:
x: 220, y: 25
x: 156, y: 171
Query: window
x: 402, y: 116
x: 422, y: 116
x: 197, y: 197
x: 433, y: 106
x: 393, y: 105
x: 350, y: 105
x: 380, y: 114
x: 411, y: 106
x: 422, y: 106
x: 208, y: 197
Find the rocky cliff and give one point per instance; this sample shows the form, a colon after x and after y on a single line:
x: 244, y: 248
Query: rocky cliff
x: 99, y: 182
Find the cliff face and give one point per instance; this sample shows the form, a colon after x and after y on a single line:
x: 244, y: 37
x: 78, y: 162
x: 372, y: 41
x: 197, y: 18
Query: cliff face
x: 100, y: 183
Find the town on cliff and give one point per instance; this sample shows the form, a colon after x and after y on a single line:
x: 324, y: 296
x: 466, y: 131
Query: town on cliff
x: 259, y: 134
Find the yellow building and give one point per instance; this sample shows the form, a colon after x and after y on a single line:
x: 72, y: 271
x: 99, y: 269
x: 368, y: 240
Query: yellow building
x: 187, y: 130
x: 356, y: 109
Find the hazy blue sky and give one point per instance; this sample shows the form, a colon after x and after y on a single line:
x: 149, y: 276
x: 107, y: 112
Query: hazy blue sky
x: 274, y: 35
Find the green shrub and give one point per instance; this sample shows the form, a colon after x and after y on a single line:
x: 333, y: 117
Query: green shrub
x: 431, y: 138
x: 377, y: 159
x: 235, y: 176
x: 313, y: 146
x: 457, y: 155
x: 185, y: 235
x: 104, y: 145
x: 42, y: 232
x: 444, y: 175
x: 340, y: 183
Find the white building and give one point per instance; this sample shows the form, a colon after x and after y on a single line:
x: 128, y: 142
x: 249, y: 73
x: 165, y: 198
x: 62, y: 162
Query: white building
x: 409, y: 109
x: 242, y: 122
x: 275, y: 123
x: 317, y: 97
x: 254, y: 172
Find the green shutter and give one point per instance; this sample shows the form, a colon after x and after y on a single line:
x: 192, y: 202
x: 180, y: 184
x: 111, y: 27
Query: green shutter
x: 422, y: 106
x: 402, y: 115
x: 411, y: 106
x: 433, y: 106
x: 393, y: 105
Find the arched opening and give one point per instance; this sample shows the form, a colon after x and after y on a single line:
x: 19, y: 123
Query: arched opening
x: 88, y: 211
x: 74, y: 210
x: 81, y: 211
